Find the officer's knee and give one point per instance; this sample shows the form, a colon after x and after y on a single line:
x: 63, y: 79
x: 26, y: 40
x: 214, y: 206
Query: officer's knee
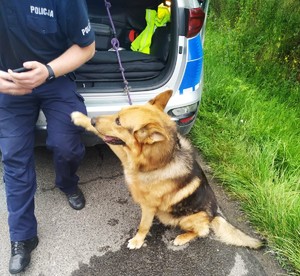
x: 67, y: 149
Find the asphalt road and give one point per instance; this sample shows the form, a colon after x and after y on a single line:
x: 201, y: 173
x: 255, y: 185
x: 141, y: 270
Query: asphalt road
x: 93, y: 241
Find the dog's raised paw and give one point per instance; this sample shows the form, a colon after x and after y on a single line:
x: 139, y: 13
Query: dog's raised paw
x: 80, y: 119
x: 135, y: 243
x: 76, y: 115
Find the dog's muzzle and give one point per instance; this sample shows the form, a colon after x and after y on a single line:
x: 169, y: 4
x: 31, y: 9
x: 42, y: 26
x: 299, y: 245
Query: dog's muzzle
x: 93, y: 122
x: 106, y: 138
x: 113, y: 140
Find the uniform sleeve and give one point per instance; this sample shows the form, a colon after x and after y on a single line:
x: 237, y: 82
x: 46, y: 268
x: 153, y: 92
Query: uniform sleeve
x: 75, y: 22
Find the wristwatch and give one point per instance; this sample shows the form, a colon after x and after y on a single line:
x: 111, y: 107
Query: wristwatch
x: 51, y: 75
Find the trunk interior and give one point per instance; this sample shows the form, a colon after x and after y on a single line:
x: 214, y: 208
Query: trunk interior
x: 141, y: 70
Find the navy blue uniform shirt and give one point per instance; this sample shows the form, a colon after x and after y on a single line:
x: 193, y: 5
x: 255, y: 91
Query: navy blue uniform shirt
x: 35, y: 30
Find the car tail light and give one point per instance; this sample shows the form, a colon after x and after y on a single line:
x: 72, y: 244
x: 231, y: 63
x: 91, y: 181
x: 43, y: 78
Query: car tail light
x: 196, y: 18
x: 186, y: 120
x: 184, y: 115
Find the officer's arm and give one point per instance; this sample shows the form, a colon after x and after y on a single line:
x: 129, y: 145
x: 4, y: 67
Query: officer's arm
x: 70, y: 60
x: 73, y: 58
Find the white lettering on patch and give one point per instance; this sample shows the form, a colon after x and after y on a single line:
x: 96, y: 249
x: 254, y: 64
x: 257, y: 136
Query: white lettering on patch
x: 86, y: 30
x: 41, y: 11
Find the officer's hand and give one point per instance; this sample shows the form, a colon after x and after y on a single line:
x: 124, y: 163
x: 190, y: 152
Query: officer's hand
x: 36, y: 75
x: 7, y: 85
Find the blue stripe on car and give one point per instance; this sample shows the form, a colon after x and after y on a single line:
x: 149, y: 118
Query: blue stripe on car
x: 192, y: 74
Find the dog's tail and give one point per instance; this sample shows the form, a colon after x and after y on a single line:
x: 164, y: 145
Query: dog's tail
x: 227, y: 233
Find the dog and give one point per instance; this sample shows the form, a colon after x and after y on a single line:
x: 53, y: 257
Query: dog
x: 162, y: 173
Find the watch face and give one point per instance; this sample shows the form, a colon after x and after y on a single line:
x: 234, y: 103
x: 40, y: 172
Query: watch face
x: 50, y: 78
x: 51, y: 73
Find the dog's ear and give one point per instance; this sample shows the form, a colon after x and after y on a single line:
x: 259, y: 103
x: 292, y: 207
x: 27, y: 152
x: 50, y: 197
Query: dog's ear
x: 161, y: 100
x: 150, y: 134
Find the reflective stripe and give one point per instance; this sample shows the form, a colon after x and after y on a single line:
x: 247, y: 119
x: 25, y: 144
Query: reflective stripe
x: 193, y: 70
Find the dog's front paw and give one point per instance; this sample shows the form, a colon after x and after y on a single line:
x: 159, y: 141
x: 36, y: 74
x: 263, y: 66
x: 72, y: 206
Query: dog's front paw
x: 80, y: 119
x: 184, y: 238
x: 135, y: 243
x: 76, y: 116
x: 178, y: 241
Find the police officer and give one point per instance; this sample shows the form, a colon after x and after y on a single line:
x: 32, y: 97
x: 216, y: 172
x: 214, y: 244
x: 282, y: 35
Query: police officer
x: 50, y: 39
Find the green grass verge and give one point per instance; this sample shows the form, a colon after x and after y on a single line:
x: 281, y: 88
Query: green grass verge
x: 248, y: 129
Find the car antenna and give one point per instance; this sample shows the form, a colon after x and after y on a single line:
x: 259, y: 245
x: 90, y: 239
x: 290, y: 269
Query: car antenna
x: 115, y: 44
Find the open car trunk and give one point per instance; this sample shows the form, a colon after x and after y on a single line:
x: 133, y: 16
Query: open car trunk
x: 142, y: 70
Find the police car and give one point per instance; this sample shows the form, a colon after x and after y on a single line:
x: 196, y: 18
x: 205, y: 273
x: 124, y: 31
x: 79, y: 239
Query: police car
x: 159, y: 46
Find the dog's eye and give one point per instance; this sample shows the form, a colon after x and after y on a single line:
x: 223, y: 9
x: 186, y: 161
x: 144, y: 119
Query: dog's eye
x: 118, y: 121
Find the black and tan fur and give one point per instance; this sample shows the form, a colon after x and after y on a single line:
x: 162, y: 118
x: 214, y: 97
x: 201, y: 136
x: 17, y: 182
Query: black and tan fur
x: 162, y: 174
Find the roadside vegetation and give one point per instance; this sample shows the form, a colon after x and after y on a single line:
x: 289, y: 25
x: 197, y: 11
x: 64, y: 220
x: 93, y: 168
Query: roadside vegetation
x: 248, y: 127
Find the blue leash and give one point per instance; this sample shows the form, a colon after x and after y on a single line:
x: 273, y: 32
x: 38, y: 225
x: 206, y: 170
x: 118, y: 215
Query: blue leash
x: 116, y: 44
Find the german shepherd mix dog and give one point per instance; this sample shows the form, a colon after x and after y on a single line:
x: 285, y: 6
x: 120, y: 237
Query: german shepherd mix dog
x: 162, y: 174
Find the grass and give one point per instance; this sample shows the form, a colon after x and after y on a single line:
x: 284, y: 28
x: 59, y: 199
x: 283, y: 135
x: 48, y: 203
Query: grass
x: 248, y: 129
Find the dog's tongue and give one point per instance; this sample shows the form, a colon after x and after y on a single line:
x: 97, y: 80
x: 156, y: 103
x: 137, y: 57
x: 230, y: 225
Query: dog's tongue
x: 113, y: 140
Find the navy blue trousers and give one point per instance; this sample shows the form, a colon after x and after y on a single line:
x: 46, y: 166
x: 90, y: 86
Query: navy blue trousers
x: 18, y: 115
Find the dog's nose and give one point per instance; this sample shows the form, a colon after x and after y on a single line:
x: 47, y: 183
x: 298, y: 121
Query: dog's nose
x: 93, y: 122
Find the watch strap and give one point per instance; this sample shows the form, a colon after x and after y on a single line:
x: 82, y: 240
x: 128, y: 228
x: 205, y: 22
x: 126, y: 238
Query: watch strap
x: 51, y: 75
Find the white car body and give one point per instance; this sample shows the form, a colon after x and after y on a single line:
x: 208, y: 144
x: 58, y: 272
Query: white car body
x: 184, y: 77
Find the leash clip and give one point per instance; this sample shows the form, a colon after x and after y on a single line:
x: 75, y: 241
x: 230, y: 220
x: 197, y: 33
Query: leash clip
x: 127, y: 91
